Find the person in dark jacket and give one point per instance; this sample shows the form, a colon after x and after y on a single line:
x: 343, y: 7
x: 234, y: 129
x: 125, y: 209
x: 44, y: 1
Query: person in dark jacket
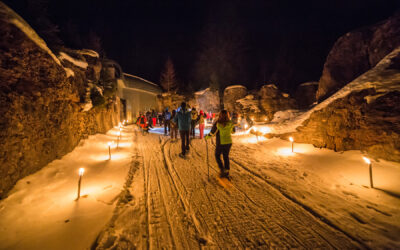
x: 183, y: 119
x: 167, y: 118
x: 174, y: 127
x: 222, y: 128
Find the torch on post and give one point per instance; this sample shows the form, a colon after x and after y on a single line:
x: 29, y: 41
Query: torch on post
x: 292, y: 141
x: 81, y: 171
x: 368, y: 161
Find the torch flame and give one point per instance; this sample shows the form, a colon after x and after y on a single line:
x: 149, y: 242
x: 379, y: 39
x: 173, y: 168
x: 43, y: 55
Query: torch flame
x: 119, y: 133
x: 367, y: 160
x: 81, y: 171
x: 291, y: 139
x: 245, y: 126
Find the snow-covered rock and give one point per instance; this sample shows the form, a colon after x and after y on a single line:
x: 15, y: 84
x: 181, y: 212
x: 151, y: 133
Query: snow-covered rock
x: 40, y: 103
x: 272, y: 100
x: 231, y: 95
x: 207, y: 100
x: 356, y: 52
x: 364, y: 115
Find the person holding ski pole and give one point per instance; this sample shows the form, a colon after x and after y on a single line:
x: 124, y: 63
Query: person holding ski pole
x: 183, y: 119
x: 222, y: 128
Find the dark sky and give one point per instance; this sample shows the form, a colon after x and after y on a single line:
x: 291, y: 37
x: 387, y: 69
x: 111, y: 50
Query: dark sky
x: 279, y: 36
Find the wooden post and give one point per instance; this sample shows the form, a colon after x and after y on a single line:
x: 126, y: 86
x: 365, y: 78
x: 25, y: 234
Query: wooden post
x: 79, y: 186
x: 371, y: 183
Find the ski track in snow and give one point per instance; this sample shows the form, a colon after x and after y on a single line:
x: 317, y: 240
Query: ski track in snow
x: 174, y: 205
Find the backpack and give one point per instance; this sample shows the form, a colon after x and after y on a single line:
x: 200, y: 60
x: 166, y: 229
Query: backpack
x: 167, y: 115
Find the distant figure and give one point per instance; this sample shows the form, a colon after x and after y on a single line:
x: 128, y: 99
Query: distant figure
x: 193, y: 122
x: 202, y: 121
x: 167, y: 119
x: 183, y: 119
x: 174, y: 126
x: 235, y: 118
x: 160, y: 119
x: 222, y: 128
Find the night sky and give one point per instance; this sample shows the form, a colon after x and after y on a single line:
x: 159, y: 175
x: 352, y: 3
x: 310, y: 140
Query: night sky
x: 281, y: 41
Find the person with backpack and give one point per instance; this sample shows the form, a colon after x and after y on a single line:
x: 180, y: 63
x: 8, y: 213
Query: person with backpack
x: 183, y: 119
x: 202, y: 123
x: 193, y: 123
x: 222, y: 128
x: 167, y: 119
x: 174, y: 127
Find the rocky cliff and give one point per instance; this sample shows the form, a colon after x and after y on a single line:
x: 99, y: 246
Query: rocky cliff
x: 364, y: 115
x: 42, y: 102
x: 357, y: 52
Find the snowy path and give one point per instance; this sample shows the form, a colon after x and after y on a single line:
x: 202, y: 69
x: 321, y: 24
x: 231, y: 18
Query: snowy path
x: 175, y: 206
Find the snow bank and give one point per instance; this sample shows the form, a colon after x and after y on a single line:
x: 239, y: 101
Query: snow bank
x: 41, y: 211
x: 89, y: 52
x: 76, y: 62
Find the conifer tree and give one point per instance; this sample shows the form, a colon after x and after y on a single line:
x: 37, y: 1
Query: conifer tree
x: 168, y: 80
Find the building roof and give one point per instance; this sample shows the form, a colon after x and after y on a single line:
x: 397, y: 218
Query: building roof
x: 136, y: 82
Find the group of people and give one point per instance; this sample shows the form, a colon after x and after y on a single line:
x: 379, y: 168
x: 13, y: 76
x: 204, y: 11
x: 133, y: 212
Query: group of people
x: 184, y: 121
x: 223, y: 128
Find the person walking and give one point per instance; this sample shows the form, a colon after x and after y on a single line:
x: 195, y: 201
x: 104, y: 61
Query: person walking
x: 167, y: 119
x: 174, y: 127
x: 202, y: 123
x: 194, y: 116
x: 183, y: 119
x: 222, y: 128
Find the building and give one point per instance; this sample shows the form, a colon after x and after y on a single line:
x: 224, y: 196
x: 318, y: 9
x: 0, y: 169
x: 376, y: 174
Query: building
x: 137, y: 95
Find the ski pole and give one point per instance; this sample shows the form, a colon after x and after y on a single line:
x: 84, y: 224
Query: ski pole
x: 208, y: 165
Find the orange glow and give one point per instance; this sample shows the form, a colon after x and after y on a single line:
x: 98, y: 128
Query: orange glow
x: 81, y: 171
x: 285, y: 152
x: 368, y: 161
x: 291, y: 139
x: 265, y: 130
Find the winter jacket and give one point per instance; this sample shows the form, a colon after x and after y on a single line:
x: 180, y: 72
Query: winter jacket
x: 202, y: 118
x: 223, y: 133
x: 183, y: 119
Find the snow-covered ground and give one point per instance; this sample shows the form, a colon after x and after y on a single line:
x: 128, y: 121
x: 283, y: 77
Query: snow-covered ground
x: 42, y: 212
x: 148, y: 197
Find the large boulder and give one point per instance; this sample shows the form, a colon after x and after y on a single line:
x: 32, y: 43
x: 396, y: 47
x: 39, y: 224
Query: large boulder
x: 357, y: 52
x: 271, y: 99
x: 231, y: 95
x: 305, y: 94
x: 207, y: 100
x: 364, y: 115
x: 40, y: 105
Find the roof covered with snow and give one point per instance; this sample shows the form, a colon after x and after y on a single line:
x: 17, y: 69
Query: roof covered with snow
x: 201, y: 92
x: 137, y: 82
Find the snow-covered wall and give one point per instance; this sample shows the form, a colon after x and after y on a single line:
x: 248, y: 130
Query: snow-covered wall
x: 41, y: 103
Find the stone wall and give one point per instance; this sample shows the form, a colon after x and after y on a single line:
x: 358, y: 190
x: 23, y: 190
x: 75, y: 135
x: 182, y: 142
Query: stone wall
x: 41, y: 107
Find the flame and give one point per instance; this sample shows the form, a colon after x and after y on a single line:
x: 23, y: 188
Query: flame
x: 265, y: 130
x: 291, y: 139
x: 245, y: 126
x: 81, y: 171
x: 368, y: 161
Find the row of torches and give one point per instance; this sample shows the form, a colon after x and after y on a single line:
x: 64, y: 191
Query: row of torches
x: 109, y: 144
x: 82, y: 170
x: 368, y: 161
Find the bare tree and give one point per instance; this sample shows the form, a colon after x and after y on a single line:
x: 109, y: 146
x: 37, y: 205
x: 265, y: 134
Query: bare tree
x: 168, y: 78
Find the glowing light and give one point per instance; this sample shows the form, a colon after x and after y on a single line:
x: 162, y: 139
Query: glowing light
x: 81, y: 171
x: 285, y: 152
x: 368, y: 161
x: 109, y: 144
x: 119, y: 133
x: 291, y: 139
x: 252, y: 118
x: 255, y: 129
x: 246, y: 126
x: 265, y: 130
